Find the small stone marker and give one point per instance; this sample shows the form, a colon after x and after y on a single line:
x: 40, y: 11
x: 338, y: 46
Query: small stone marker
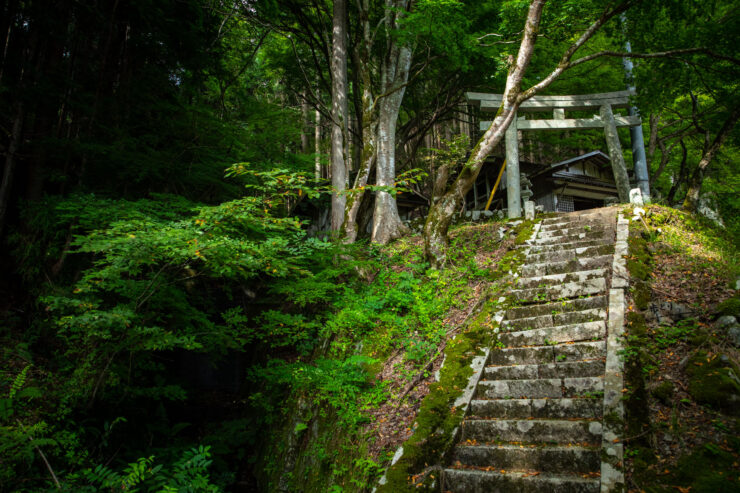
x: 636, y: 197
x: 529, y: 210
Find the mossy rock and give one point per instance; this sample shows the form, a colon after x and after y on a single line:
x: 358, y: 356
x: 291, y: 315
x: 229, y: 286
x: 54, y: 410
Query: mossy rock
x: 664, y: 392
x: 730, y: 306
x: 714, y: 382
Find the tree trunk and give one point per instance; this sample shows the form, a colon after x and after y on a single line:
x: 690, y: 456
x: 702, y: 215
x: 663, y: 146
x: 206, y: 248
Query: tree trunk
x: 691, y: 202
x: 9, y: 170
x: 317, y: 145
x: 387, y: 224
x: 441, y: 212
x: 339, y: 110
x: 305, y: 140
x: 681, y: 174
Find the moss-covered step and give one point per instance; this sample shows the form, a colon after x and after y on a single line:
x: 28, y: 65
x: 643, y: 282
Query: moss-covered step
x: 585, y: 331
x: 548, y: 354
x: 553, y: 459
x: 568, y: 408
x: 554, y: 308
x: 477, y: 481
x: 560, y: 291
x: 557, y: 279
x: 539, y: 388
x: 532, y: 431
x: 593, y: 368
x: 582, y: 232
x: 552, y: 247
x: 570, y: 254
x: 566, y: 266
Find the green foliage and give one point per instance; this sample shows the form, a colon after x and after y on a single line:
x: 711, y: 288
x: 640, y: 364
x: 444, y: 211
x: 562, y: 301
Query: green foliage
x: 338, y: 384
x: 189, y: 474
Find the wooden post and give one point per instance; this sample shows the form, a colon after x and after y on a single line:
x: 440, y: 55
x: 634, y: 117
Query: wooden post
x: 488, y: 186
x: 615, y: 153
x: 513, y: 186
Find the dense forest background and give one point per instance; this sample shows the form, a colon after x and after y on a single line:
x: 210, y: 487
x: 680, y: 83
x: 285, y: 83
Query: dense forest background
x: 173, y: 266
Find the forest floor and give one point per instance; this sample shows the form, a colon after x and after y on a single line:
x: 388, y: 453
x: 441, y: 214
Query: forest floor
x: 392, y: 423
x: 684, y: 402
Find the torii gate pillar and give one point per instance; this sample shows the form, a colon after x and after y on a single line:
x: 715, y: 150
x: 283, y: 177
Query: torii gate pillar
x: 513, y: 185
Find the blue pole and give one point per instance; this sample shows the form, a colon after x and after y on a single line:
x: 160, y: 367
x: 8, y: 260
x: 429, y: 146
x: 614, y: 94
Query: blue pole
x: 638, y: 142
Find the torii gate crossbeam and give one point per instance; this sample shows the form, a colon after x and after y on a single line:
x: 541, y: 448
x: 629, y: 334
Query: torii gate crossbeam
x: 558, y: 105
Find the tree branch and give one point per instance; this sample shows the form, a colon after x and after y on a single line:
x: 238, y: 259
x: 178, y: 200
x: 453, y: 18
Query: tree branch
x: 657, y: 54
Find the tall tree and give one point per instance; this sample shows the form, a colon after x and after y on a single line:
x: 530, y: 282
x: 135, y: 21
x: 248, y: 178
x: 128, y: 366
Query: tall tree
x: 339, y: 109
x: 394, y: 76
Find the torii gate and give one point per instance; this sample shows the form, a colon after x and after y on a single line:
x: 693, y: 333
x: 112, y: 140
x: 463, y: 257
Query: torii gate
x: 606, y: 119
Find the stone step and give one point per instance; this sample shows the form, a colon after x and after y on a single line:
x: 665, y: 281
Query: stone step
x: 477, y: 481
x: 593, y: 368
x: 576, y: 229
x: 557, y: 279
x: 573, y: 238
x: 592, y: 221
x: 550, y: 247
x: 537, y: 408
x: 575, y: 217
x: 570, y: 254
x: 558, y: 307
x: 552, y: 388
x: 555, y: 459
x: 538, y: 355
x: 549, y: 320
x: 532, y: 431
x: 587, y: 331
x: 566, y: 266
x: 561, y: 291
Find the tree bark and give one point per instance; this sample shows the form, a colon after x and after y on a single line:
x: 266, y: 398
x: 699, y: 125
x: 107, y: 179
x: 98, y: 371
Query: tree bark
x: 691, y: 202
x: 339, y: 108
x: 387, y: 224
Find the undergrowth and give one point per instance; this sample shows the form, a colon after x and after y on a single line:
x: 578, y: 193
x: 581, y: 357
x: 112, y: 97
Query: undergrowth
x: 682, y: 398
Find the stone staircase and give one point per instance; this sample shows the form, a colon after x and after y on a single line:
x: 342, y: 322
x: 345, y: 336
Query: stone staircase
x: 534, y: 423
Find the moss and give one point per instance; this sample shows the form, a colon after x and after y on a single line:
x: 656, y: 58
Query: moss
x: 613, y: 419
x: 637, y: 324
x: 636, y: 400
x: 713, y: 380
x: 524, y: 232
x: 664, y: 392
x: 638, y: 264
x: 437, y: 419
x: 707, y: 469
x: 641, y: 294
x: 642, y: 459
x: 730, y: 306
